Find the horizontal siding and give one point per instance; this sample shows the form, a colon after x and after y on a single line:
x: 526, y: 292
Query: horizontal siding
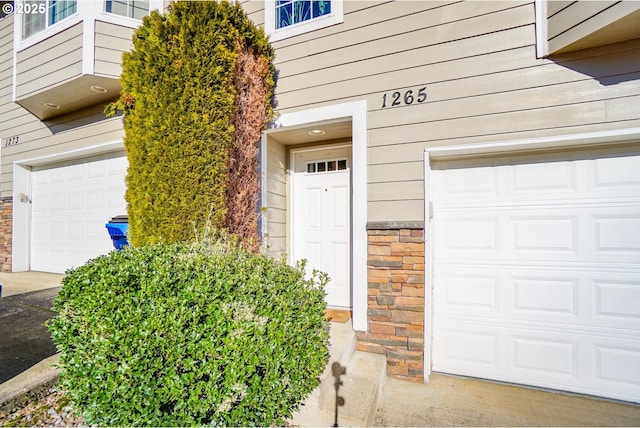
x: 556, y: 6
x: 484, y: 84
x: 254, y: 10
x: 43, y: 143
x: 573, y: 15
x: 111, y: 41
x: 6, y: 55
x: 588, y: 24
x: 42, y: 66
x: 6, y: 29
x: 276, y: 203
x: 6, y: 73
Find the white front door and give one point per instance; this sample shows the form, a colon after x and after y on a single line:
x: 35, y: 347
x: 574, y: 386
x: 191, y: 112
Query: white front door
x: 321, y: 217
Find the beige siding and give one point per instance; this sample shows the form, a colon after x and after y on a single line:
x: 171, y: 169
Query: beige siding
x: 484, y: 83
x: 254, y: 10
x: 6, y: 68
x: 591, y: 23
x: 49, y: 63
x: 573, y: 15
x: 556, y: 6
x: 83, y: 129
x: 276, y: 203
x: 111, y: 41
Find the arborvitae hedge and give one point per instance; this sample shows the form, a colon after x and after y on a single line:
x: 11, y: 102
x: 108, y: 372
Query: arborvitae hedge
x: 197, y: 90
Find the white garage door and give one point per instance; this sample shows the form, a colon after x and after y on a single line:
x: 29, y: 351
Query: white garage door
x: 537, y: 271
x: 71, y: 203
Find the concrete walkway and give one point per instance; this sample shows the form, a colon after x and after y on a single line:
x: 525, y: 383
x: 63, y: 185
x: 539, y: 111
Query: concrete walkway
x: 367, y: 397
x: 24, y: 282
x: 454, y: 401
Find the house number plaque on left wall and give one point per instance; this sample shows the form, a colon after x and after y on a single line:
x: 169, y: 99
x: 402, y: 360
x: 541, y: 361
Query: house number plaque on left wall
x: 10, y: 141
x: 404, y: 97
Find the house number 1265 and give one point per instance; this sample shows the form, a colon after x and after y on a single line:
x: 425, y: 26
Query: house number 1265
x: 409, y: 97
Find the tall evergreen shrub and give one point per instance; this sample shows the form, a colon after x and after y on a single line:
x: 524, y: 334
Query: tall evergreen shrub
x: 197, y: 90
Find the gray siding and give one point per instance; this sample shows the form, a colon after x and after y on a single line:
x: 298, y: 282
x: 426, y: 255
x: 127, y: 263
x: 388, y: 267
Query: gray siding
x: 484, y: 84
x: 111, y: 41
x: 50, y: 62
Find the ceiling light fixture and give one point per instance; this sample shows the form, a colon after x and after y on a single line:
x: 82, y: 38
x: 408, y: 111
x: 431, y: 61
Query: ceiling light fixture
x: 316, y: 132
x: 98, y: 89
x: 51, y: 105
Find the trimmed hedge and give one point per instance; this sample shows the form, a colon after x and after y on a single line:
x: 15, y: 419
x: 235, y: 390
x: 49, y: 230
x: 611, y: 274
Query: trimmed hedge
x: 189, y: 334
x: 197, y: 90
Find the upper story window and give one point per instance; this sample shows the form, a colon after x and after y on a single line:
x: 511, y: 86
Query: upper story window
x: 292, y: 12
x: 136, y: 9
x: 38, y: 15
x: 288, y: 18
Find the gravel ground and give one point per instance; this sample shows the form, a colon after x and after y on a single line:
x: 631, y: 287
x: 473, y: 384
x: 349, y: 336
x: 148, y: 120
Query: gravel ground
x: 51, y: 410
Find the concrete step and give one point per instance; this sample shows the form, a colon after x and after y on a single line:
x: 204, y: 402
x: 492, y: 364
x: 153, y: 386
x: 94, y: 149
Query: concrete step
x: 360, y: 375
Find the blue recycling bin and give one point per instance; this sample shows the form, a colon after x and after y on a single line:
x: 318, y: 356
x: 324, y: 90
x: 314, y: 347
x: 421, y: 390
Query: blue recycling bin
x: 117, y: 228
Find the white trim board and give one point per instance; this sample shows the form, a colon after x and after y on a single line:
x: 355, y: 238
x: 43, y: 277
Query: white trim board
x: 357, y: 112
x: 556, y: 142
x: 560, y: 142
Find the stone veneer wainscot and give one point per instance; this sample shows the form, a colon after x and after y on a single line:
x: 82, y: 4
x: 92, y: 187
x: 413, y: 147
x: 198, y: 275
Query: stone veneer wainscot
x: 6, y: 212
x: 395, y: 313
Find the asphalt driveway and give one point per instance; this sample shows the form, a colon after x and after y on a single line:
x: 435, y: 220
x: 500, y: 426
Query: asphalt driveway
x: 24, y: 338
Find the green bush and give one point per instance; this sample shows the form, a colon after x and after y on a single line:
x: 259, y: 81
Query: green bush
x: 196, y: 94
x: 189, y: 334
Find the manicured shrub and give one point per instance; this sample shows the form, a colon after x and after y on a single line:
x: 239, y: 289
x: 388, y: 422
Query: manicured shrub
x: 180, y: 334
x: 197, y: 91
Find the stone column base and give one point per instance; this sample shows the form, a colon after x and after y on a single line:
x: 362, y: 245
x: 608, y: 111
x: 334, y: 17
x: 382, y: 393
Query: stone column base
x: 395, y: 314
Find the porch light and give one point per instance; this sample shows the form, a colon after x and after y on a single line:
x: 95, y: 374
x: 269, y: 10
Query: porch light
x: 98, y: 89
x: 316, y: 132
x: 52, y: 106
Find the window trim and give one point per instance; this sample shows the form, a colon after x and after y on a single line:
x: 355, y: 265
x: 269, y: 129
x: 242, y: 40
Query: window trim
x: 335, y: 17
x: 104, y: 10
x: 56, y: 25
x: 87, y: 12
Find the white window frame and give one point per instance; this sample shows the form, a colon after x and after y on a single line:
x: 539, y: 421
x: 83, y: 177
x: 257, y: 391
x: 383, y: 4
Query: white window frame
x: 335, y: 17
x: 104, y: 9
x: 47, y: 26
x: 88, y: 11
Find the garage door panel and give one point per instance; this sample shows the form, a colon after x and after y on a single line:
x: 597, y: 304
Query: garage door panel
x: 459, y: 184
x: 612, y: 362
x: 70, y: 205
x: 536, y: 271
x: 583, y: 233
x: 618, y: 300
x: 572, y: 298
x: 540, y: 357
x: 616, y: 173
x: 617, y: 233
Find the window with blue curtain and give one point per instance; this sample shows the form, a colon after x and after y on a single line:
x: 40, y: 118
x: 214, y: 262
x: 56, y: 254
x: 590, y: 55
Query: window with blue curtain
x: 291, y: 12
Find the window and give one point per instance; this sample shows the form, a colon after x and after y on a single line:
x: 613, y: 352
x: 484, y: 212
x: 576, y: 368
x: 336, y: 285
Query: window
x: 292, y: 12
x: 326, y: 166
x: 38, y: 15
x: 136, y: 9
x: 288, y: 18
